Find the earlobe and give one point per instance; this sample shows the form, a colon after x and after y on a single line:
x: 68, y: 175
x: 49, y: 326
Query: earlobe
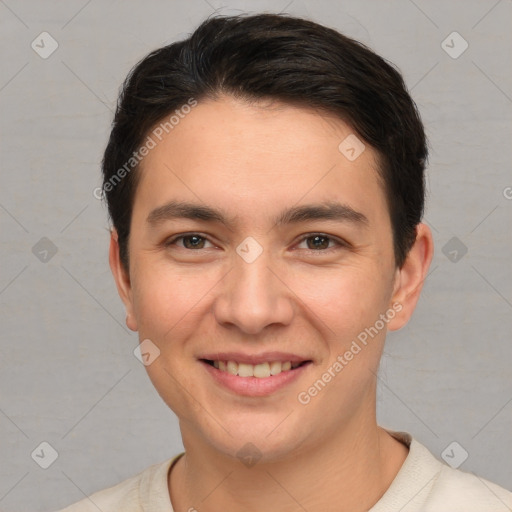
x: 411, y: 276
x: 122, y: 279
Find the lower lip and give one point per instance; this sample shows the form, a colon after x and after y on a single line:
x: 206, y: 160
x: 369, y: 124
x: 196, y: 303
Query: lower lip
x: 255, y: 386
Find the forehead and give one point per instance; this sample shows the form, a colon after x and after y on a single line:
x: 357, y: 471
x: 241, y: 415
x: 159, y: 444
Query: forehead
x: 259, y: 157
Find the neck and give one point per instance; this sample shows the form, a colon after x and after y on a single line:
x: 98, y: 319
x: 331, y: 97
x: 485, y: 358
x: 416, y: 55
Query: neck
x: 353, y: 470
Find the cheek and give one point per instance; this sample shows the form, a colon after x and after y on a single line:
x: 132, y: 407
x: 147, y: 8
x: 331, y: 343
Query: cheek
x: 168, y: 308
x: 347, y: 298
x: 165, y: 300
x: 342, y: 299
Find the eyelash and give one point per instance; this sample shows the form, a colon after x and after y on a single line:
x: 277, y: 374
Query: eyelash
x: 340, y: 243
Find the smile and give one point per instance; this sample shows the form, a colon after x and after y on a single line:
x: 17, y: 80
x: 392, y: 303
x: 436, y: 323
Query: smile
x: 261, y: 370
x: 254, y: 380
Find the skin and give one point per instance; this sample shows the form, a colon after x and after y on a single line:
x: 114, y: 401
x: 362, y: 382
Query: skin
x: 252, y: 160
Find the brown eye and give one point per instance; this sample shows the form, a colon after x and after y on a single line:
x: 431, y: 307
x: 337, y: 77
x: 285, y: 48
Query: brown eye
x: 320, y: 243
x: 192, y: 241
x: 317, y: 242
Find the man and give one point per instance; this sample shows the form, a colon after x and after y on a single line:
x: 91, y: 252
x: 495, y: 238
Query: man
x: 265, y: 180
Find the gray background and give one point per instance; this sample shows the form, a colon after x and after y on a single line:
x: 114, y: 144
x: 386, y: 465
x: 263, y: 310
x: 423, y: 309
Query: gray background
x: 68, y: 375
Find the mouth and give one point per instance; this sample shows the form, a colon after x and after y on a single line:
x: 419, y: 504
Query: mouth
x: 254, y: 380
x: 260, y: 371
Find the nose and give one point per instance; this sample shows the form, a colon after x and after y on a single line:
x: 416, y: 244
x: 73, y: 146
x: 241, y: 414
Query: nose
x: 254, y: 296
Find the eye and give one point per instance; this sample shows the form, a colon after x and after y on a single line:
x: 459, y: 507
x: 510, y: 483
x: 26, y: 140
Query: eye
x: 318, y: 242
x: 315, y: 242
x: 190, y: 241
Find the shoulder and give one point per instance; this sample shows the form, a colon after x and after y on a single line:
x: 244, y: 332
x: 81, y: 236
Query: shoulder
x: 131, y: 495
x: 426, y: 484
x: 455, y: 490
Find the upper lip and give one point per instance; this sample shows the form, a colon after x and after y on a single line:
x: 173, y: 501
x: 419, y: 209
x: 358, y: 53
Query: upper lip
x: 264, y: 357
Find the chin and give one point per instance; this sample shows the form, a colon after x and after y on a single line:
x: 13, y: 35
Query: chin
x: 256, y: 441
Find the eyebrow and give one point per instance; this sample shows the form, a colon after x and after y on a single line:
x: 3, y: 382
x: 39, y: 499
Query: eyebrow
x: 323, y: 211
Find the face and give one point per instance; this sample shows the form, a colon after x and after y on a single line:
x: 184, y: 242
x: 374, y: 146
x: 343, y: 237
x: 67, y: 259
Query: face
x: 255, y: 239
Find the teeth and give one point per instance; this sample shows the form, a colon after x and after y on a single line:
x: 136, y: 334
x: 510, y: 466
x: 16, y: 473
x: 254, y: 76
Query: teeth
x: 275, y: 368
x: 261, y: 370
x: 245, y: 370
x: 232, y: 368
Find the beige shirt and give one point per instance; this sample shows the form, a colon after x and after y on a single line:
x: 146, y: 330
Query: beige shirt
x: 423, y: 484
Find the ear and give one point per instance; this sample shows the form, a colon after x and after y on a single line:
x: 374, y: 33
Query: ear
x: 410, y: 277
x: 122, y: 279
